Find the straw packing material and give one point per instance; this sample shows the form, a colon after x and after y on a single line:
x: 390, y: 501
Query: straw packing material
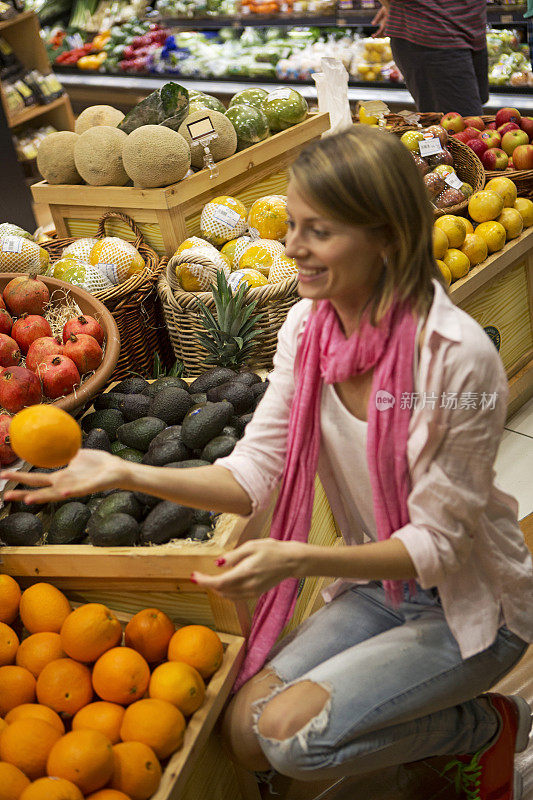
x: 222, y: 219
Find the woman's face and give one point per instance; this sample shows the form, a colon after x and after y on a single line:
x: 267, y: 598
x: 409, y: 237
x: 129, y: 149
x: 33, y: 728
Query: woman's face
x: 336, y: 262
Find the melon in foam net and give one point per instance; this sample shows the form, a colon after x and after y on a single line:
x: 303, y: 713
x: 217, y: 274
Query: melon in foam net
x: 260, y: 255
x: 268, y: 217
x: 198, y: 277
x: 18, y: 254
x: 223, y: 219
x: 116, y: 259
x: 81, y: 248
x: 282, y: 268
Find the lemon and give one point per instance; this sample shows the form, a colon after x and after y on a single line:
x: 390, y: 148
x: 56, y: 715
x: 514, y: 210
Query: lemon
x: 457, y: 262
x: 468, y: 225
x: 525, y: 209
x: 505, y: 188
x: 453, y: 227
x: 512, y: 221
x: 475, y: 249
x: 494, y: 234
x: 485, y: 205
x: 445, y: 271
x: 440, y: 243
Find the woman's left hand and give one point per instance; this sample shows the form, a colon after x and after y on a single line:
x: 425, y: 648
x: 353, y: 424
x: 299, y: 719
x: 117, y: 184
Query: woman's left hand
x: 252, y: 569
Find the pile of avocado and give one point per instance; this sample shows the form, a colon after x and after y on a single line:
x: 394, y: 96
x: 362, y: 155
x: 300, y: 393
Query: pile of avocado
x: 166, y: 423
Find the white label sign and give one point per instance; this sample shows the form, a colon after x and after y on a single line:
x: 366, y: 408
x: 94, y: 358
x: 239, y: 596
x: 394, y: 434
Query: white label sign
x: 12, y: 244
x: 200, y: 128
x: 109, y: 271
x: 279, y: 94
x: 227, y: 216
x: 430, y: 147
x: 453, y: 180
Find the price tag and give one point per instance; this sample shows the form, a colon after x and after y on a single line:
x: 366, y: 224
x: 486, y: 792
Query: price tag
x: 200, y: 128
x: 226, y: 216
x: 279, y: 94
x: 109, y: 271
x: 453, y: 180
x: 12, y: 244
x: 376, y: 108
x: 430, y: 147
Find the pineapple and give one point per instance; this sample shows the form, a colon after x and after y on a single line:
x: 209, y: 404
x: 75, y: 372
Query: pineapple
x: 229, y: 339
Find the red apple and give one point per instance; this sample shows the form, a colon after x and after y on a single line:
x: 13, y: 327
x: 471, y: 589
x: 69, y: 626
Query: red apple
x: 473, y: 133
x: 523, y: 156
x: 477, y: 146
x: 509, y: 126
x: 507, y: 115
x: 510, y: 164
x: 512, y: 139
x: 452, y: 122
x: 494, y: 158
x: 491, y: 126
x: 491, y: 138
x: 526, y: 123
x: 463, y: 136
x: 439, y: 132
x: 474, y: 122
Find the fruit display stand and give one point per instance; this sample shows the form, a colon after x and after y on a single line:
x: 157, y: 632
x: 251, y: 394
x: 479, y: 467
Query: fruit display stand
x: 498, y: 294
x: 167, y: 216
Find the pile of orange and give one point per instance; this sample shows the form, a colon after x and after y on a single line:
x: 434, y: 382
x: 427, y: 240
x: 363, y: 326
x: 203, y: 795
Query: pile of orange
x: 84, y: 714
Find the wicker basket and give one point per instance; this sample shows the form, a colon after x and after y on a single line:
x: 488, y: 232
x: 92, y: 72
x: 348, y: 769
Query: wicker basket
x: 523, y: 178
x: 184, y: 322
x: 425, y: 119
x: 133, y: 304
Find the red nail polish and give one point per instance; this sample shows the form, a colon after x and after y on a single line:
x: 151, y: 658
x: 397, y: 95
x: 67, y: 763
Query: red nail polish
x: 192, y: 580
x: 220, y: 562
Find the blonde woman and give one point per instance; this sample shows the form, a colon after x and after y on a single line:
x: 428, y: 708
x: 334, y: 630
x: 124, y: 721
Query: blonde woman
x: 398, y: 399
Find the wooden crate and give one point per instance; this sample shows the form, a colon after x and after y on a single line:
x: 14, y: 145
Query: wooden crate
x: 498, y: 294
x: 167, y: 216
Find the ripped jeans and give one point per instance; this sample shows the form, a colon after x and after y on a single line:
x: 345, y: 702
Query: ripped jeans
x: 399, y: 690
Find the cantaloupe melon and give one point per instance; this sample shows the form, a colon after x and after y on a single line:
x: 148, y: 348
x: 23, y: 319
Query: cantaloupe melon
x: 20, y: 255
x: 98, y: 156
x: 223, y: 219
x: 98, y: 115
x: 55, y: 158
x: 81, y: 248
x: 223, y: 146
x: 154, y: 155
x: 195, y: 277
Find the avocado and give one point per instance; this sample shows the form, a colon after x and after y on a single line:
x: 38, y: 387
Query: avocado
x: 218, y: 447
x: 132, y: 386
x: 239, y: 395
x: 68, y: 524
x: 97, y: 439
x: 171, y: 404
x: 241, y: 422
x: 248, y: 377
x: 130, y: 454
x: 170, y: 434
x: 93, y: 504
x: 34, y: 508
x: 21, y: 529
x: 201, y: 517
x: 199, y: 398
x: 258, y: 390
x: 119, y: 503
x: 117, y: 447
x: 200, y: 533
x: 165, y: 522
x: 108, y: 400
x: 139, y: 433
x: 191, y: 462
x: 146, y: 499
x: 163, y: 383
x: 230, y: 430
x: 213, y: 377
x: 203, y: 424
x: 115, y: 530
x: 110, y: 419
x: 173, y: 450
x: 134, y: 406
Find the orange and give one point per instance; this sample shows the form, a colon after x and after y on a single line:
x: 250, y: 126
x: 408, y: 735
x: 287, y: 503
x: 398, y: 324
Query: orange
x: 475, y: 248
x: 468, y: 225
x: 65, y: 685
x: 447, y: 275
x: 26, y: 743
x: 121, y: 676
x: 3, y: 725
x: 43, y: 607
x: 51, y: 789
x: 505, y: 188
x: 83, y: 757
x: 457, y: 262
x: 45, y: 436
x: 12, y: 781
x: 101, y: 716
x: 38, y: 650
x: 512, y: 221
x: 9, y: 642
x: 198, y: 646
x: 485, y: 205
x: 9, y: 599
x: 137, y: 771
x: 108, y: 794
x: 440, y: 243
x: 149, y: 632
x: 493, y: 233
x: 524, y: 208
x: 453, y: 227
x: 36, y: 711
x: 89, y: 631
x: 180, y: 684
x: 17, y: 685
x: 156, y: 723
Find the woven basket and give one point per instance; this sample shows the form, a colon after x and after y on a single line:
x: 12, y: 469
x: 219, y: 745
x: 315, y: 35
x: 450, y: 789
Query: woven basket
x: 133, y: 304
x: 523, y: 178
x: 184, y: 322
x: 426, y: 119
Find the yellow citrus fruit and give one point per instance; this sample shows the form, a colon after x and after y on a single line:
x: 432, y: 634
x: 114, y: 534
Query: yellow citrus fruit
x: 525, y: 209
x: 505, y: 188
x: 457, y: 263
x: 157, y: 723
x: 45, y: 436
x: 512, y: 221
x: 475, y: 248
x: 178, y: 683
x: 194, y: 241
x: 453, y: 227
x: 440, y: 243
x: 445, y: 271
x: 485, y: 205
x: 494, y: 234
x: 223, y: 219
x: 468, y: 225
x: 282, y: 268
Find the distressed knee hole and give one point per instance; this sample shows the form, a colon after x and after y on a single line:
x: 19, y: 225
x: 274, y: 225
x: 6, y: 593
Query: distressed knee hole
x: 294, y: 708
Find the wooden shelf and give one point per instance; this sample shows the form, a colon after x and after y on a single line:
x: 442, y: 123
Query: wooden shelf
x: 8, y: 23
x: 36, y: 111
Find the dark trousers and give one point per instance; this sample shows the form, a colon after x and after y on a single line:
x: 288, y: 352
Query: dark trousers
x: 444, y: 80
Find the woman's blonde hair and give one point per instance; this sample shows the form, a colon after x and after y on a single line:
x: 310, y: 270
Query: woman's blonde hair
x: 367, y: 177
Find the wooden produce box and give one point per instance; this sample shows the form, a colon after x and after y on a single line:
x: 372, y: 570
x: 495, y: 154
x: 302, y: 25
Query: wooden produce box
x: 169, y: 215
x: 498, y: 294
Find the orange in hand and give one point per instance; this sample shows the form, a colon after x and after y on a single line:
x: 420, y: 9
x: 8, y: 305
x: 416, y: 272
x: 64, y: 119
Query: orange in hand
x: 45, y: 436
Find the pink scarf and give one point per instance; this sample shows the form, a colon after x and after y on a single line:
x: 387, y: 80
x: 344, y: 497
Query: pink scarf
x: 325, y: 355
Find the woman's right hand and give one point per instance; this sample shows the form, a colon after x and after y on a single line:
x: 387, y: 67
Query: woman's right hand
x: 381, y: 19
x: 89, y: 471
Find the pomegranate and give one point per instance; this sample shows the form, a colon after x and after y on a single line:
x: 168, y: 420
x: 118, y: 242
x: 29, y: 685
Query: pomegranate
x: 26, y: 294
x: 2, y: 304
x: 9, y: 351
x: 7, y: 456
x: 19, y: 387
x: 6, y: 323
x: 84, y: 324
x: 84, y: 351
x: 59, y: 375
x: 40, y: 348
x: 28, y: 328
